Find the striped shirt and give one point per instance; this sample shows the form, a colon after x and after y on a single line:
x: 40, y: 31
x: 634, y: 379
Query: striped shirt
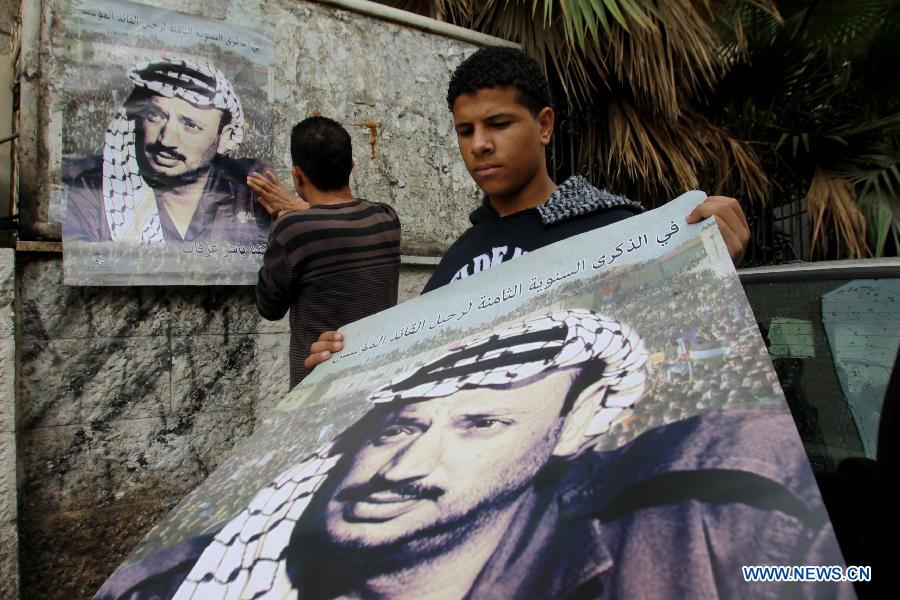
x: 330, y: 265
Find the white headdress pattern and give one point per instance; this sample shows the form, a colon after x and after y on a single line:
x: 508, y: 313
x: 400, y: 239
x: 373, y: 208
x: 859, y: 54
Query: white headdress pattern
x: 131, y: 210
x: 247, y: 558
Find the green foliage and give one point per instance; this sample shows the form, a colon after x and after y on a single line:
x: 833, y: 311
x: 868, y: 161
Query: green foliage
x: 817, y: 90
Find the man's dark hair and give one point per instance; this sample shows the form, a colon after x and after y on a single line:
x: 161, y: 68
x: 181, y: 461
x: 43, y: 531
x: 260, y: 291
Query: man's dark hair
x: 322, y: 150
x: 500, y: 67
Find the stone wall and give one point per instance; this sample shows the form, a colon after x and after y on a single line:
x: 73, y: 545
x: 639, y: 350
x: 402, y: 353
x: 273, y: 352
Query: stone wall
x: 9, y: 568
x: 9, y: 14
x: 129, y: 397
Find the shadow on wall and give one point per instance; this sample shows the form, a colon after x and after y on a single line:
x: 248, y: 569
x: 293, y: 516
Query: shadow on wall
x: 127, y: 403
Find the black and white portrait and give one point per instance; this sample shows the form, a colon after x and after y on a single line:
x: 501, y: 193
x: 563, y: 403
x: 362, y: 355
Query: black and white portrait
x: 163, y: 115
x: 166, y: 173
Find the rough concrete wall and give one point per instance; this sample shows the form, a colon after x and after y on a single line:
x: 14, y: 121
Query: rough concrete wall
x: 9, y: 556
x: 130, y: 396
x: 386, y: 83
x: 9, y: 12
x: 9, y: 559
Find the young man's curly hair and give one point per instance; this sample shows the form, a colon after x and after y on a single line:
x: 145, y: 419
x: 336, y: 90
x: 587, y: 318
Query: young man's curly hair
x: 499, y: 67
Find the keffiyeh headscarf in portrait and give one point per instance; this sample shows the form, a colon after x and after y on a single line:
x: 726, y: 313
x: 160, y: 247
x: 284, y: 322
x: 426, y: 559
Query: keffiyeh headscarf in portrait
x: 131, y: 210
x: 248, y: 557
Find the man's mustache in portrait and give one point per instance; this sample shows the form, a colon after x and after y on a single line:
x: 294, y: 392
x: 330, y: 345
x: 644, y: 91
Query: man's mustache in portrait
x: 406, y: 490
x: 167, y: 152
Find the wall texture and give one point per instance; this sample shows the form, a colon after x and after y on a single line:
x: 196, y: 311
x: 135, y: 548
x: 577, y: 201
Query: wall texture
x: 9, y: 559
x: 129, y: 397
x: 9, y: 568
x: 9, y: 13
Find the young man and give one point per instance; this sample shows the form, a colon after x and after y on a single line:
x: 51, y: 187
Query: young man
x: 334, y: 258
x: 500, y: 102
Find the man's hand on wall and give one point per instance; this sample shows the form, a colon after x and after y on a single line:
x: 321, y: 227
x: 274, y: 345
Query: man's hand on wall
x: 272, y: 195
x: 731, y: 221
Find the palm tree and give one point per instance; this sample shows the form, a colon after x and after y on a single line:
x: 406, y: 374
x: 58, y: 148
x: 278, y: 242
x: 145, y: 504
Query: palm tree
x: 816, y: 86
x: 779, y: 102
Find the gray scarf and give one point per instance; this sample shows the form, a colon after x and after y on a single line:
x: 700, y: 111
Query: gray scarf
x: 575, y: 197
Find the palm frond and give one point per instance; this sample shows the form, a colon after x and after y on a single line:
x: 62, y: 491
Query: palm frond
x: 841, y: 26
x: 832, y: 205
x: 656, y: 158
x: 876, y: 175
x: 883, y: 217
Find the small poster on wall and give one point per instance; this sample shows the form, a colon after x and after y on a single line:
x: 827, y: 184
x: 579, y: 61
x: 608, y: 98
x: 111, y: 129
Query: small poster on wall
x: 598, y: 418
x: 163, y: 116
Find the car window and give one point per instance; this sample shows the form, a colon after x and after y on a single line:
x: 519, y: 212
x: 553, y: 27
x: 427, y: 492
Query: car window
x: 833, y: 342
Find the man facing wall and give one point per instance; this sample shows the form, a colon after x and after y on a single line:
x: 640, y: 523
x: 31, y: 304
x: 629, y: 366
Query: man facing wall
x: 335, y: 258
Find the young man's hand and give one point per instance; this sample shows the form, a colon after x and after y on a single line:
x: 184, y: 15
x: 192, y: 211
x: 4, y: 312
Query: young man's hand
x: 731, y: 221
x: 272, y: 195
x: 321, y: 349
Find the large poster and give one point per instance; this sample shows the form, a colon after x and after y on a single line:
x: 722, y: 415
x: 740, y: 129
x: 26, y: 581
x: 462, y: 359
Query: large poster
x: 596, y: 418
x: 163, y: 116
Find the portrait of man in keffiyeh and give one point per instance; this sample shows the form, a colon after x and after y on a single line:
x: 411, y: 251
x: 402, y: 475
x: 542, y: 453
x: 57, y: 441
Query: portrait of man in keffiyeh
x: 167, y: 171
x: 480, y: 474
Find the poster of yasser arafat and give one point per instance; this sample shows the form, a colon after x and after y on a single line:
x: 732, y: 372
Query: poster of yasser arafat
x: 164, y: 115
x: 598, y: 418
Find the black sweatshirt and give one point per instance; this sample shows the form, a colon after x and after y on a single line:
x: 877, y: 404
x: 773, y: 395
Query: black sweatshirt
x: 575, y: 207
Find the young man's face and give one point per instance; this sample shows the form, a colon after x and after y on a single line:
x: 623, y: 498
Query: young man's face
x: 440, y: 467
x: 174, y: 138
x: 501, y: 141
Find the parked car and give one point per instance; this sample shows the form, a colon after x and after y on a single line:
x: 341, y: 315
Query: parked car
x: 833, y: 331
